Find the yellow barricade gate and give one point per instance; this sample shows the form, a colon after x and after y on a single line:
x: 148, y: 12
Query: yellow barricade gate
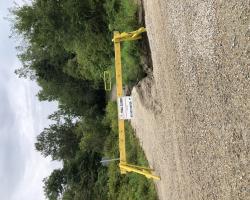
x: 124, y: 166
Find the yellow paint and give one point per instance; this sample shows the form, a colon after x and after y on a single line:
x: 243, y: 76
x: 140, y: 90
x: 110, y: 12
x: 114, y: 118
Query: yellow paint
x: 139, y: 170
x: 118, y: 71
x: 135, y: 35
x: 124, y: 166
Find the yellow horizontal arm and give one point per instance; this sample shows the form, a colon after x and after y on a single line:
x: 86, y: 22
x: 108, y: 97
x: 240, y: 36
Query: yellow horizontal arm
x: 135, y: 35
x: 138, y: 170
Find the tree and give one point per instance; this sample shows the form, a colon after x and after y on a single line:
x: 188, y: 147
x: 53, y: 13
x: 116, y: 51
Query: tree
x: 93, y: 133
x: 75, y: 26
x: 58, y: 141
x: 82, y: 174
x: 54, y: 185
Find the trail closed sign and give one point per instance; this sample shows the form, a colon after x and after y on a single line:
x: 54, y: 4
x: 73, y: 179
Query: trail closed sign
x: 125, y: 107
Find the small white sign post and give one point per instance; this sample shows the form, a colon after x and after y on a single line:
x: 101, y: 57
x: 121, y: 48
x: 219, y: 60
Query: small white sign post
x: 125, y: 107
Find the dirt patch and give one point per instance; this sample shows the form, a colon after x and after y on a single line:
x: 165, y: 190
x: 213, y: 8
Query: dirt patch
x: 192, y: 114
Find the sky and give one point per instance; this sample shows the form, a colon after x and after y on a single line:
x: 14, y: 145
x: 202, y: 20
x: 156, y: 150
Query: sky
x: 22, y: 118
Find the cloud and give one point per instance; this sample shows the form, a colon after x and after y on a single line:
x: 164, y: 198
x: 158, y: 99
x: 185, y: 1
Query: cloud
x: 12, y: 160
x: 22, y: 118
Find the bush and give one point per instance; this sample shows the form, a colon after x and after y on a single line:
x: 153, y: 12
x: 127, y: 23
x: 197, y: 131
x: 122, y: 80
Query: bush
x: 132, y: 185
x: 122, y: 18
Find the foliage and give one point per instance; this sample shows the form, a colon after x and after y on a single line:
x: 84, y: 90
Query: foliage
x: 54, y: 184
x: 93, y: 133
x: 67, y: 46
x: 121, y: 16
x: 131, y: 186
x: 58, y: 141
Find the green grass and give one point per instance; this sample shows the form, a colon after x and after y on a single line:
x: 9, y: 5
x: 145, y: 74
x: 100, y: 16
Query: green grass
x: 130, y: 186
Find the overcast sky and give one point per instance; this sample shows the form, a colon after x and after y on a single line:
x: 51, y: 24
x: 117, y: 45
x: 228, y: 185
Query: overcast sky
x: 22, y: 117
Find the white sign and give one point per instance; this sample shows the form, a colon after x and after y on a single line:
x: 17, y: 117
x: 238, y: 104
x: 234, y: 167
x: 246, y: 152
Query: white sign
x: 125, y: 107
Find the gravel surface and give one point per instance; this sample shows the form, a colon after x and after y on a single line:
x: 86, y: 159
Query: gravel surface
x: 192, y: 114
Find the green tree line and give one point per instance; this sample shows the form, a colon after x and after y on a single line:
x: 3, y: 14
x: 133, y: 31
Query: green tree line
x: 66, y: 47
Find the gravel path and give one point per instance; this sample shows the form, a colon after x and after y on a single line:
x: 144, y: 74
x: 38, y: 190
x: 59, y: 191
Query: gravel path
x: 192, y: 114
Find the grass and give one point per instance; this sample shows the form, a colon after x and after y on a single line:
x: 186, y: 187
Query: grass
x: 130, y: 186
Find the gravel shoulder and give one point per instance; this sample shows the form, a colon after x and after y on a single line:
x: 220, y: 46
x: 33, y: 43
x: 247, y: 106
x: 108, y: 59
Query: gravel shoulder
x: 192, y: 113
